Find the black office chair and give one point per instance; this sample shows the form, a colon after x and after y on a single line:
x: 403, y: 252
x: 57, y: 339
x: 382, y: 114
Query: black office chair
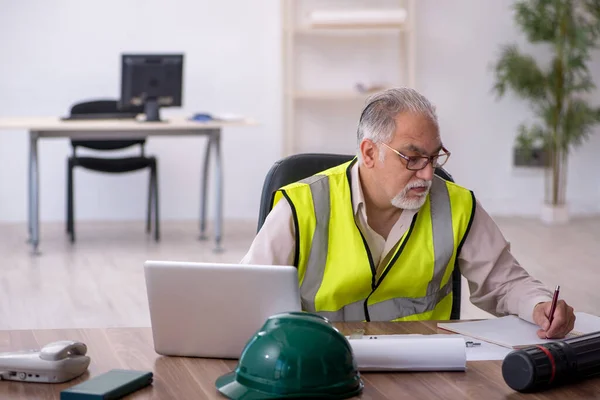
x: 111, y: 165
x: 300, y: 166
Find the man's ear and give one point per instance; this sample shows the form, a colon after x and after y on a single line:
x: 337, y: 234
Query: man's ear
x: 368, y: 152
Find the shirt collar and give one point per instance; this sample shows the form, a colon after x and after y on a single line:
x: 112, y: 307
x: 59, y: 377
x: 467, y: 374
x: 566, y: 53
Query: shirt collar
x: 358, y: 200
x: 357, y: 192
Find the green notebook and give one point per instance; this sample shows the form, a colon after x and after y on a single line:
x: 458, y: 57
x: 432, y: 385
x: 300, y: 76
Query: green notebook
x: 114, y: 384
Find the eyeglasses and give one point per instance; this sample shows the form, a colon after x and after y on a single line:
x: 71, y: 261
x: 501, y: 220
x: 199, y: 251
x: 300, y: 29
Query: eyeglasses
x: 416, y: 163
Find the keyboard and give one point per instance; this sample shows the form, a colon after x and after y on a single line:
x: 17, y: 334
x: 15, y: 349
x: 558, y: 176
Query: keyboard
x: 79, y: 117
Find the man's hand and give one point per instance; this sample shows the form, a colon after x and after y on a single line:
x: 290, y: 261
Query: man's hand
x: 563, y: 322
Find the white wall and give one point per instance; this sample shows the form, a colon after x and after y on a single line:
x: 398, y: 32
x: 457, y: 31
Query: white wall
x: 55, y: 53
x: 458, y: 41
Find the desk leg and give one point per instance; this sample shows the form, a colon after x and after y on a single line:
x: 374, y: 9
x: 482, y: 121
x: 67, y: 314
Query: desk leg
x: 34, y: 202
x: 204, y: 194
x: 29, y: 200
x: 219, y: 190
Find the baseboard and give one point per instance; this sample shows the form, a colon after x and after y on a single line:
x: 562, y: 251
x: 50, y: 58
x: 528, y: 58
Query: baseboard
x: 527, y: 208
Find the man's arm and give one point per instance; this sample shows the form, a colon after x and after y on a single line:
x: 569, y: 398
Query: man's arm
x: 275, y: 242
x: 498, y: 284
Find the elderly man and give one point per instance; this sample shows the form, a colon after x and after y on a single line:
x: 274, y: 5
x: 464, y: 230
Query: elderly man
x: 377, y: 238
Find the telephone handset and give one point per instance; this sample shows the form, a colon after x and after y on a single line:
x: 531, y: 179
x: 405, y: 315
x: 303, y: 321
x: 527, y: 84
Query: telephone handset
x: 54, y: 363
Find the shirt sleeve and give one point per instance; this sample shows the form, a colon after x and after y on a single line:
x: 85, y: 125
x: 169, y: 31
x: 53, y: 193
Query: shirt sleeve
x: 275, y: 243
x: 497, y: 282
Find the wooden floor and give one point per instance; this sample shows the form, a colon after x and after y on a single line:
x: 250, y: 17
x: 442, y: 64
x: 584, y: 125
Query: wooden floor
x: 99, y: 282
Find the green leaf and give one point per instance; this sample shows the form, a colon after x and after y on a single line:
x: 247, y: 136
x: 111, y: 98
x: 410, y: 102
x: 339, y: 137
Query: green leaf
x: 519, y: 73
x: 531, y: 137
x: 571, y: 30
x: 592, y: 9
x: 538, y: 19
x: 577, y: 123
x: 583, y: 83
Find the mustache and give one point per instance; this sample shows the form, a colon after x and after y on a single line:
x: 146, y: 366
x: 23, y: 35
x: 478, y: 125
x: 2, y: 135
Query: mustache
x: 421, y: 183
x: 418, y: 184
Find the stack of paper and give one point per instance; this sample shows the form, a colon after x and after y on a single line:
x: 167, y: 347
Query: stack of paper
x: 513, y: 332
x: 357, y: 17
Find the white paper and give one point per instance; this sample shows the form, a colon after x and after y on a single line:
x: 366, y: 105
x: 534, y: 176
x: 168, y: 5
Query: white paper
x: 511, y: 331
x: 486, y: 351
x: 410, y: 354
x: 228, y: 117
x: 483, y: 352
x: 586, y: 323
x: 357, y: 17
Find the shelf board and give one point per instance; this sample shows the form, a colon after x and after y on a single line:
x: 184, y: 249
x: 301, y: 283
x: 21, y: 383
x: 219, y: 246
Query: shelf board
x: 331, y: 95
x: 350, y: 30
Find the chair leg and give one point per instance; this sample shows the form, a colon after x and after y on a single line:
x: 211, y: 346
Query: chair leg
x: 156, y: 223
x: 71, y: 201
x: 150, y: 201
x: 68, y: 195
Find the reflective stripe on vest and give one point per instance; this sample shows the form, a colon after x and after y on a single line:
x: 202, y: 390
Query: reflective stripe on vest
x: 443, y: 244
x: 317, y: 258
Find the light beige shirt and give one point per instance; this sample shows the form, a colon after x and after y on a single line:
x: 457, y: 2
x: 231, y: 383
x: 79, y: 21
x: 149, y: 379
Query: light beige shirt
x: 498, y: 284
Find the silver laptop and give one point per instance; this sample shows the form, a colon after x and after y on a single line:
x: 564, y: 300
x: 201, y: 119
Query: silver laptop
x: 212, y: 309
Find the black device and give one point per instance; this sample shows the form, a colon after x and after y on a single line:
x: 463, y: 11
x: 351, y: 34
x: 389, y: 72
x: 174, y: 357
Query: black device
x: 544, y: 366
x: 114, y: 384
x: 95, y: 116
x: 151, y: 80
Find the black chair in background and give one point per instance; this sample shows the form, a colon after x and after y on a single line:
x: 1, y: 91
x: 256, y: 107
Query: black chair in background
x: 110, y: 165
x: 300, y: 166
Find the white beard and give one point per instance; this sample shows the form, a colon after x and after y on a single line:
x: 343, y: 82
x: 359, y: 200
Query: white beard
x: 402, y: 201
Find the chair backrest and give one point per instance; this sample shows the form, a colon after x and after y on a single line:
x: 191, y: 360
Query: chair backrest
x: 292, y: 169
x: 104, y: 107
x: 299, y: 166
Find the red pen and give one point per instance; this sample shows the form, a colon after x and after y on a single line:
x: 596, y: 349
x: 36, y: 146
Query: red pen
x: 553, y: 307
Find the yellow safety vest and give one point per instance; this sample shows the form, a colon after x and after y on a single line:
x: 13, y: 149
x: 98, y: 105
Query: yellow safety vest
x: 336, y: 272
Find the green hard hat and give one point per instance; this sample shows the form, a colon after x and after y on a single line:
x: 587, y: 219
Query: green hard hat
x: 294, y: 355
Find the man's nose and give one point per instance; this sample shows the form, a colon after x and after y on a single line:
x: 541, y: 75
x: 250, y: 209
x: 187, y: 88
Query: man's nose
x: 426, y: 173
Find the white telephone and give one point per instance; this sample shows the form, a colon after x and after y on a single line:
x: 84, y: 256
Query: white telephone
x: 54, y: 363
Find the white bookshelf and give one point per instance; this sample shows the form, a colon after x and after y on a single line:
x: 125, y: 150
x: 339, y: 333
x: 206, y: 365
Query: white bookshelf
x: 324, y: 62
x: 330, y: 95
x: 350, y: 30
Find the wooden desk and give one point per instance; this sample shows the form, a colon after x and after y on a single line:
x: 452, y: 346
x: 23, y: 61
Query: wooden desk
x: 53, y: 127
x: 193, y: 378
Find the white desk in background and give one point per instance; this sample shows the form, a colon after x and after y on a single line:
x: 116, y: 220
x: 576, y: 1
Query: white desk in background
x: 117, y: 129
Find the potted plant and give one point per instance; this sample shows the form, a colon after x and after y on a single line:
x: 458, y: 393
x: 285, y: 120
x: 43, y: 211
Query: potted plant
x: 570, y: 29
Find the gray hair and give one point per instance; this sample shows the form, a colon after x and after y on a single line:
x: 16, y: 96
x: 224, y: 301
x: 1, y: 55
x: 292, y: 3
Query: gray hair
x: 377, y: 120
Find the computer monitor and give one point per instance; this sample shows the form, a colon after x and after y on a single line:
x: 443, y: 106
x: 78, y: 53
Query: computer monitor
x: 152, y: 81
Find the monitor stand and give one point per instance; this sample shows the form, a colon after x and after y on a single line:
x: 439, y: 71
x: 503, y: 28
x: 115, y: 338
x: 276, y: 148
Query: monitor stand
x: 152, y: 110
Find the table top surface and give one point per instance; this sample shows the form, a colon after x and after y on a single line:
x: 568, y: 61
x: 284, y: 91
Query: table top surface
x: 194, y: 378
x: 51, y: 124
